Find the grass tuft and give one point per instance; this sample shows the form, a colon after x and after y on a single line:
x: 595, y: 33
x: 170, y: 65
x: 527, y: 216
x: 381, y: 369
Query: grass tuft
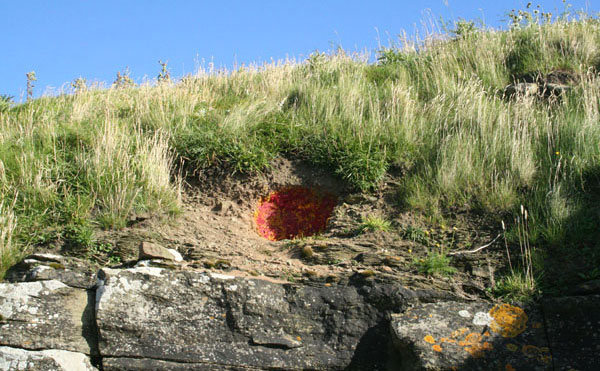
x: 435, y: 264
x: 9, y: 254
x: 374, y: 223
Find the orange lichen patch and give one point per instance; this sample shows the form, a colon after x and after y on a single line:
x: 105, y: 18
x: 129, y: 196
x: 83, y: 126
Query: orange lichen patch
x: 512, y: 347
x: 509, y: 321
x: 472, y: 344
x: 487, y: 334
x: 478, y: 350
x: 475, y: 351
x: 293, y: 212
x: 437, y: 348
x: 459, y: 332
x: 298, y: 338
x: 446, y: 340
x: 509, y: 367
x: 473, y: 337
x: 429, y: 339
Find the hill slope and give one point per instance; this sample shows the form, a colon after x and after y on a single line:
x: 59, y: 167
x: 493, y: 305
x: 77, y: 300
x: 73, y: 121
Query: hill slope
x: 431, y: 124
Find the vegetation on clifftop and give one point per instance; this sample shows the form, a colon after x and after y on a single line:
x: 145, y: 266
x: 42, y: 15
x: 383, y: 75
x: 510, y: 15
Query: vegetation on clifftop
x: 434, y: 111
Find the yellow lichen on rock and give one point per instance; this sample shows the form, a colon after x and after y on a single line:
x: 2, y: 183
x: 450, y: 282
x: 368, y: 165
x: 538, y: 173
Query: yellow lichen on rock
x: 474, y: 346
x: 542, y: 354
x: 459, y: 332
x: 509, y: 321
x: 429, y: 339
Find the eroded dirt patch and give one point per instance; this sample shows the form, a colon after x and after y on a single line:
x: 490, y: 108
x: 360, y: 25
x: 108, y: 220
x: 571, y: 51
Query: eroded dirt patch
x: 217, y: 231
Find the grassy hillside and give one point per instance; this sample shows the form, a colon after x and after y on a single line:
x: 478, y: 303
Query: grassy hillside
x: 433, y: 114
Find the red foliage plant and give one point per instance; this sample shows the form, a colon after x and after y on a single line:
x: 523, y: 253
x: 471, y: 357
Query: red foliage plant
x: 293, y: 211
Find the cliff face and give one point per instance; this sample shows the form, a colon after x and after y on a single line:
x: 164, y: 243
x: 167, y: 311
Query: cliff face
x: 153, y: 318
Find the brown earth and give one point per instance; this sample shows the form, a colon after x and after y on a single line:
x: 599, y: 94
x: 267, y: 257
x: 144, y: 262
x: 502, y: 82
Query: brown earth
x: 216, y: 232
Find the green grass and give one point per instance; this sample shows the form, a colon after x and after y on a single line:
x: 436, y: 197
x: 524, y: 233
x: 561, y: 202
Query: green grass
x: 8, y: 252
x: 416, y: 234
x: 516, y: 286
x: 374, y: 223
x: 433, y: 109
x: 435, y: 264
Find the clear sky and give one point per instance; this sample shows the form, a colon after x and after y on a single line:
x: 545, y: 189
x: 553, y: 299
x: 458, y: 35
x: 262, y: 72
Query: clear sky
x: 61, y: 40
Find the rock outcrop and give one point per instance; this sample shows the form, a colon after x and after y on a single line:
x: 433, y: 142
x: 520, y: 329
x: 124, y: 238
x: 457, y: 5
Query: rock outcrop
x: 47, y: 315
x: 573, y: 328
x: 220, y: 320
x: 554, y: 84
x: 42, y: 267
x: 154, y: 318
x: 475, y: 336
x: 43, y: 360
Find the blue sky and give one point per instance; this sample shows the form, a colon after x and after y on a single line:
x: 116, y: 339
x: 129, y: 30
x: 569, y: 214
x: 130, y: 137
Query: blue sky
x: 61, y: 40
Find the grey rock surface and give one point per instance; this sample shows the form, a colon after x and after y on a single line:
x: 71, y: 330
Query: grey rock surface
x: 522, y: 88
x: 45, y: 267
x: 551, y: 89
x: 573, y: 327
x: 223, y: 320
x: 44, y: 360
x: 150, y: 317
x: 473, y: 336
x: 46, y: 315
x: 135, y: 364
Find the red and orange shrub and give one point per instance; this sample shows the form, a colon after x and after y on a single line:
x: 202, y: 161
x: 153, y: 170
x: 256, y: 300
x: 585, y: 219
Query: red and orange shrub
x: 293, y: 212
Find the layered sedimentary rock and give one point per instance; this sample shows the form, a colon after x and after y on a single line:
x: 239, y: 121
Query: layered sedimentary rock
x: 155, y: 318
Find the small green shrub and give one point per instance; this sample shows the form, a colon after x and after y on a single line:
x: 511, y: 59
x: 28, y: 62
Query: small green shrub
x: 415, y: 234
x: 372, y: 223
x: 78, y: 238
x: 463, y: 28
x: 123, y: 80
x: 79, y: 85
x: 164, y: 74
x: 435, y: 264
